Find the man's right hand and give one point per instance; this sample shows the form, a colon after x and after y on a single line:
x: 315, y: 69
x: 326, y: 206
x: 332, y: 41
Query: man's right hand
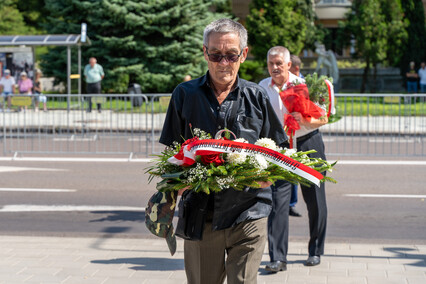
x: 181, y: 191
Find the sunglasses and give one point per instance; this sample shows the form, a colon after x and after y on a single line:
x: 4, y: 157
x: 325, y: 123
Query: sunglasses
x: 218, y: 57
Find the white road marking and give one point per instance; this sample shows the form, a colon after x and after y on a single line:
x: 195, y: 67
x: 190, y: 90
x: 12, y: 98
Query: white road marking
x: 390, y: 163
x: 65, y: 208
x: 74, y: 139
x: 20, y: 169
x: 37, y: 190
x: 387, y: 195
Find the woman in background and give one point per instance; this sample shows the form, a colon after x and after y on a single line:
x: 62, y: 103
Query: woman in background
x: 38, y: 88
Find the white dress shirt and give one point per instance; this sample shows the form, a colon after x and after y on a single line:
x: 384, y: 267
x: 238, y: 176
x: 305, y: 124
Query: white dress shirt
x: 422, y: 75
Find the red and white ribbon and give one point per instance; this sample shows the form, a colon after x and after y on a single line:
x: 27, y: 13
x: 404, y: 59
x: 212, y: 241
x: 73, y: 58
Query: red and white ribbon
x: 212, y: 146
x: 331, y: 106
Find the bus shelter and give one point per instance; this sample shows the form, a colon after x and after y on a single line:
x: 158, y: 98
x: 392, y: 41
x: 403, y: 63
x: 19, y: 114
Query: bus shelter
x: 32, y: 41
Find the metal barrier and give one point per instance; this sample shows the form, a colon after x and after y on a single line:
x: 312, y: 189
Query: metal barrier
x: 121, y: 127
x: 370, y: 124
x: 377, y: 125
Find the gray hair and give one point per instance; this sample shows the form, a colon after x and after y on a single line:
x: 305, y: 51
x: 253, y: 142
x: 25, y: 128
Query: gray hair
x: 276, y: 50
x: 226, y: 26
x: 295, y: 60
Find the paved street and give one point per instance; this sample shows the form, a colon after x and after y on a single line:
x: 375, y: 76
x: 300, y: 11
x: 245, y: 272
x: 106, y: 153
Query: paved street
x: 82, y: 222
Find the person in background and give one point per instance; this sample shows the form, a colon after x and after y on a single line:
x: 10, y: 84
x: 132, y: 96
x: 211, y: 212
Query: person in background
x: 279, y: 64
x: 7, y: 88
x: 296, y: 64
x: 422, y: 76
x: 412, y: 78
x: 308, y: 137
x: 187, y: 78
x: 235, y: 227
x: 25, y: 85
x: 38, y: 89
x: 295, y: 69
x: 94, y: 74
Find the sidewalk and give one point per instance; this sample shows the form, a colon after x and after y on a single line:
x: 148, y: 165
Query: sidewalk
x: 101, y: 260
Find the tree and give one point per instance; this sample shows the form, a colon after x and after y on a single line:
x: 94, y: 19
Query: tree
x: 32, y: 11
x: 286, y: 22
x: 153, y: 43
x: 378, y: 29
x: 11, y: 20
x: 414, y: 48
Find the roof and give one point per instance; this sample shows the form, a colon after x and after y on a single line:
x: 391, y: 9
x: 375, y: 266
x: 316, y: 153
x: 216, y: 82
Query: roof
x: 30, y: 40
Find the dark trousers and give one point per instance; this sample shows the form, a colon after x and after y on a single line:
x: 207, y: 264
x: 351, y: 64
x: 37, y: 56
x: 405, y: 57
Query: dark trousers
x: 278, y: 225
x: 315, y: 200
x: 293, y: 196
x: 93, y: 88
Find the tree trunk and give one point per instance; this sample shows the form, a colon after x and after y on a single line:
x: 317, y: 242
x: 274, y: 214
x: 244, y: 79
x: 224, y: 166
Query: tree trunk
x: 365, y: 76
x: 374, y: 85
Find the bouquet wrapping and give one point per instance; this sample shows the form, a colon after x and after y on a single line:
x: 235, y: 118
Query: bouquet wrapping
x: 314, y: 99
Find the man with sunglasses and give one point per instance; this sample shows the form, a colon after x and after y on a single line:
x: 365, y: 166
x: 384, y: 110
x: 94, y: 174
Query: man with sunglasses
x: 234, y: 229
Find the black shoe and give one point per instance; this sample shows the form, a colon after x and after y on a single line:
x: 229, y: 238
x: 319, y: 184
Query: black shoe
x: 294, y: 213
x: 276, y: 266
x: 313, y: 260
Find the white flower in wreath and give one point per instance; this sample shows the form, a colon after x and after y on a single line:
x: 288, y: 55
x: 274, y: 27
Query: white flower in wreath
x: 289, y: 152
x: 267, y: 143
x: 237, y: 158
x: 261, y: 162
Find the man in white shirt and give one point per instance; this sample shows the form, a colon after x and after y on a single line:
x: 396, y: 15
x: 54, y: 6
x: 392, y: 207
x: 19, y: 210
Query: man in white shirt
x: 422, y: 76
x: 7, y: 87
x: 307, y: 138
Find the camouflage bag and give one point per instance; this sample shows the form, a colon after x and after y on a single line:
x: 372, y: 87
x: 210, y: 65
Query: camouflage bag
x: 159, y: 216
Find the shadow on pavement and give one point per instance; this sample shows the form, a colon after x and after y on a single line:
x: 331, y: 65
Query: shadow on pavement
x: 404, y: 253
x: 114, y: 216
x: 147, y: 263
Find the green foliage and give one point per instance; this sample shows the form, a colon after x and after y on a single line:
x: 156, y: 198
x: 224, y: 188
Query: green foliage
x: 253, y: 70
x: 288, y: 23
x: 153, y: 43
x: 11, y: 20
x: 414, y: 48
x: 343, y: 64
x: 378, y: 29
x: 32, y: 11
x: 318, y: 90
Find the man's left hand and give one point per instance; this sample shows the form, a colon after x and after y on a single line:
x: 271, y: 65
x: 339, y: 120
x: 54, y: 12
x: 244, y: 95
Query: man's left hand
x: 299, y: 118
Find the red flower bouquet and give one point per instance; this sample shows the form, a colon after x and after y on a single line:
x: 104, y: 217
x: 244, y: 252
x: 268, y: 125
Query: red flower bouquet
x: 314, y: 99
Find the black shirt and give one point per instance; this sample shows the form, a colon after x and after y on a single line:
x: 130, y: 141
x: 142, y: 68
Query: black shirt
x: 411, y: 79
x: 247, y: 112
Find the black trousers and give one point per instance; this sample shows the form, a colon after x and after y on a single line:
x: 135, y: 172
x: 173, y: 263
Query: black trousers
x: 315, y: 199
x: 93, y: 88
x: 278, y: 223
x: 278, y: 220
